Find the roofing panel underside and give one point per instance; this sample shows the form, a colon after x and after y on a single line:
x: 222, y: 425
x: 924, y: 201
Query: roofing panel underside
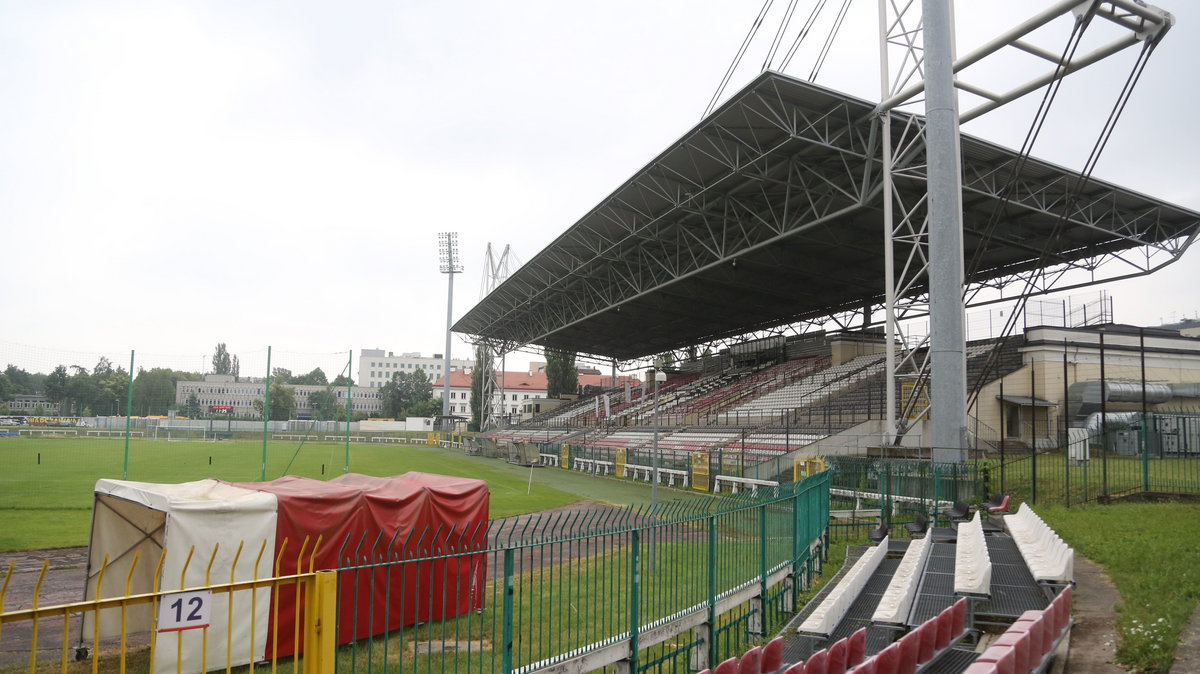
x: 769, y: 212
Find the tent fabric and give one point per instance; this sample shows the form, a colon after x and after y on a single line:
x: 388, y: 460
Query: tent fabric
x: 205, y: 520
x: 359, y: 520
x: 362, y: 520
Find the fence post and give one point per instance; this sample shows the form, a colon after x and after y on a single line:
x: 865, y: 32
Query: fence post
x: 320, y: 623
x: 710, y: 632
x: 1033, y: 471
x: 507, y: 658
x: 759, y: 605
x: 635, y: 582
x: 1145, y: 450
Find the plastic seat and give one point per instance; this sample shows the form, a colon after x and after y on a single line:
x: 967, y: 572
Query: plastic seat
x: 887, y: 661
x: 751, y: 662
x: 772, y: 655
x: 879, y: 533
x: 1034, y: 622
x: 795, y: 668
x: 910, y: 648
x: 837, y: 658
x: 980, y: 668
x: 917, y: 529
x: 927, y: 632
x: 1001, y: 658
x: 999, y: 503
x: 960, y: 616
x: 945, y: 627
x: 730, y: 666
x: 856, y: 648
x: 957, y: 512
x: 867, y: 667
x: 817, y: 663
x: 1021, y: 645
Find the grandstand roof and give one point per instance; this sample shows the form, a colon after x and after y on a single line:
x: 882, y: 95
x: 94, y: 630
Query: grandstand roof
x: 769, y: 213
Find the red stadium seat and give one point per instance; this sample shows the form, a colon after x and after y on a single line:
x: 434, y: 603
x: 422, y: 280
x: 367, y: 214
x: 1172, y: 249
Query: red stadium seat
x: 960, y: 616
x: 928, y: 634
x: 772, y: 655
x: 856, y: 648
x: 1020, y: 644
x: 1001, y: 658
x: 980, y: 668
x: 1002, y: 506
x: 945, y: 628
x: 910, y: 648
x: 887, y: 661
x: 730, y: 666
x: 796, y: 668
x: 1036, y: 624
x: 867, y: 667
x: 817, y: 663
x: 751, y: 662
x: 837, y: 658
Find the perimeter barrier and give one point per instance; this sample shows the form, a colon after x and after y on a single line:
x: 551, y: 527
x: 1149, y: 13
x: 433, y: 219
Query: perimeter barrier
x: 683, y: 585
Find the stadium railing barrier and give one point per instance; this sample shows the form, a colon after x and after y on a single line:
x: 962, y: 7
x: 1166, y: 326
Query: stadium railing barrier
x: 684, y: 584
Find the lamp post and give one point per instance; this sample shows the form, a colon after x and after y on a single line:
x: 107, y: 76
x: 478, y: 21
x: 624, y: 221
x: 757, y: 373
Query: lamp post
x: 659, y: 376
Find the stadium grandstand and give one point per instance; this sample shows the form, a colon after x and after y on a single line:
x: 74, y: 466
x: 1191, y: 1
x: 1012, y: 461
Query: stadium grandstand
x: 759, y: 228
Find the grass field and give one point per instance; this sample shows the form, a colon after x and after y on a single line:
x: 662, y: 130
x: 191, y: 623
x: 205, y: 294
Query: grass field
x: 1147, y: 550
x: 46, y: 483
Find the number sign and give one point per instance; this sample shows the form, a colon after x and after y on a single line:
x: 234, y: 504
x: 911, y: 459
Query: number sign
x: 184, y: 610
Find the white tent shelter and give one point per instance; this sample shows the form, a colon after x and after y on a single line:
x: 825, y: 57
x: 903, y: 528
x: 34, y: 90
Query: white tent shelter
x: 199, y: 525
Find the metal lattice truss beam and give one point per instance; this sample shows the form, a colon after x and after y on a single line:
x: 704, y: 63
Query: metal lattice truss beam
x: 768, y: 214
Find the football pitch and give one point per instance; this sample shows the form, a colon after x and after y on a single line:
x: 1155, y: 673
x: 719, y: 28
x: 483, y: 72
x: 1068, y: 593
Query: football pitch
x: 46, y: 483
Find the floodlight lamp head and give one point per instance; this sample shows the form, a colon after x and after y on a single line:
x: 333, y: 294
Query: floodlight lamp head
x: 448, y: 253
x: 660, y: 376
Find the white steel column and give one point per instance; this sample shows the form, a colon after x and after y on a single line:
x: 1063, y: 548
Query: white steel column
x: 889, y: 262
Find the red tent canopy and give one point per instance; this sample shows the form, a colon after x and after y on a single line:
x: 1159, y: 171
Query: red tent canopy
x: 366, y: 525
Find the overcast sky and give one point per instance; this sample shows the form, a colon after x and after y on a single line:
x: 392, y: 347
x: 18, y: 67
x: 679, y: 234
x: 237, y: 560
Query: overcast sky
x: 276, y: 173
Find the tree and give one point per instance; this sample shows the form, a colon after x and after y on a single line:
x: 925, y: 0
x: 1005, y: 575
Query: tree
x: 314, y: 378
x: 56, y: 384
x: 7, y: 389
x: 154, y: 389
x: 110, y: 390
x: 191, y: 406
x: 342, y: 381
x: 221, y: 362
x: 325, y: 405
x: 23, y: 382
x: 561, y: 374
x: 392, y: 396
x: 283, y: 401
x: 281, y: 375
x: 235, y: 369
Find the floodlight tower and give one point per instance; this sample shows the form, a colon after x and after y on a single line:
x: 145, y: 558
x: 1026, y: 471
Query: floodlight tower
x: 495, y: 271
x: 449, y: 265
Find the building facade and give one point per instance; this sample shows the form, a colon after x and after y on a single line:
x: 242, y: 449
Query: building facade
x: 376, y: 366
x: 513, y: 389
x: 221, y: 390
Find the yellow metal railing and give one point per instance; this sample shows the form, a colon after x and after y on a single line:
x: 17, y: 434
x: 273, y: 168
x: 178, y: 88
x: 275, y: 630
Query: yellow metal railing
x: 315, y: 597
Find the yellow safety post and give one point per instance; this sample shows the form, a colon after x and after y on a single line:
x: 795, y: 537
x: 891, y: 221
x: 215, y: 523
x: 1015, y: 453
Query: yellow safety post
x: 564, y: 456
x: 320, y: 623
x: 700, y: 471
x: 619, y: 462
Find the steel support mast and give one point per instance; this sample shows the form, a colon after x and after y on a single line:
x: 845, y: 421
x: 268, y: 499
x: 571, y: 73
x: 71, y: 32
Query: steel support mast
x: 948, y: 380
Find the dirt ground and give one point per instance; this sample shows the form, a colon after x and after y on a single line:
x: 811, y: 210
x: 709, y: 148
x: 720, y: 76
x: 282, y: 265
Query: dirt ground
x: 1092, y: 644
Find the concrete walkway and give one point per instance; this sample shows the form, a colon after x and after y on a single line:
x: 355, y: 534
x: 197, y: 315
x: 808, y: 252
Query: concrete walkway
x: 1094, y: 638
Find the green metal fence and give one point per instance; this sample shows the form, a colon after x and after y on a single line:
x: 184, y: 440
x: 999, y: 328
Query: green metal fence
x: 1160, y: 456
x: 687, y: 584
x: 864, y: 491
